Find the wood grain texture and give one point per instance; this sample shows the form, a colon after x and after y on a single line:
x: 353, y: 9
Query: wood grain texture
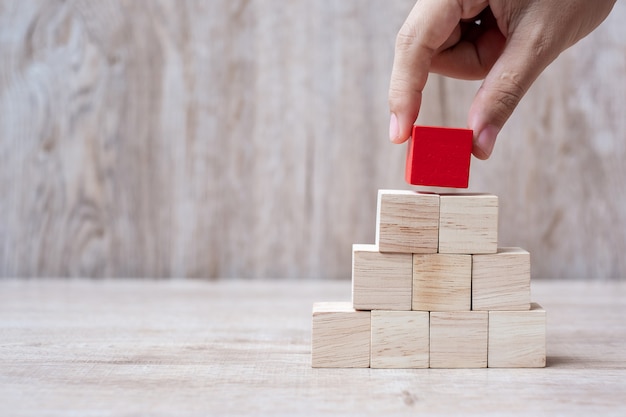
x: 517, y: 339
x: 501, y: 281
x: 192, y: 138
x: 105, y: 347
x: 340, y: 336
x: 381, y: 281
x: 468, y: 223
x: 407, y: 221
x: 248, y: 139
x: 458, y: 339
x: 442, y: 282
x: 400, y: 339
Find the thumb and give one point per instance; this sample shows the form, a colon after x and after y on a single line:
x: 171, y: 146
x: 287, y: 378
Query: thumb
x: 522, y: 60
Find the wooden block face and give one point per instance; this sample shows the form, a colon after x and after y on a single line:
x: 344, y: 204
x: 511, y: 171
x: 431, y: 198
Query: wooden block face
x: 468, y: 223
x: 442, y: 282
x: 340, y: 336
x: 381, y: 281
x: 407, y: 222
x: 517, y: 339
x: 501, y: 281
x: 458, y: 339
x: 439, y: 156
x: 400, y: 339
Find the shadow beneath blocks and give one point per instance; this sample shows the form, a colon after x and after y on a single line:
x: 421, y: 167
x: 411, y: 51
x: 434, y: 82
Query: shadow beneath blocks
x: 579, y: 362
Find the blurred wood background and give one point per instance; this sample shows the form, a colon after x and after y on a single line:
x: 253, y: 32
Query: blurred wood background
x: 233, y: 138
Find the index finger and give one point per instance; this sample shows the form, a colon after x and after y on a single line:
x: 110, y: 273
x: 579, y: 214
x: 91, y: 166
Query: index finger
x: 428, y: 26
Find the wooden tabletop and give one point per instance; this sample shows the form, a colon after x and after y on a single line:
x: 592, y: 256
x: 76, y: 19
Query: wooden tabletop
x: 243, y: 348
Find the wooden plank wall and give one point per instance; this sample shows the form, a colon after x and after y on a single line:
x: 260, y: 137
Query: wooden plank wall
x: 233, y: 138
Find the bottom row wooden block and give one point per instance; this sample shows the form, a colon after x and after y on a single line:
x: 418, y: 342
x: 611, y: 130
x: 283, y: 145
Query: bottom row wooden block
x: 346, y: 338
x: 458, y: 339
x: 340, y: 336
x: 399, y: 339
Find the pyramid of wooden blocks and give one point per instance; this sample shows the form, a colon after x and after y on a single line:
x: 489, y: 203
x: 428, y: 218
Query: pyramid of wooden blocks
x: 433, y: 291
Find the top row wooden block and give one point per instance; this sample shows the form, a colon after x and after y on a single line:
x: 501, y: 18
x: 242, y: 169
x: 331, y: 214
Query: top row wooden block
x: 468, y: 223
x: 407, y: 222
x: 414, y: 222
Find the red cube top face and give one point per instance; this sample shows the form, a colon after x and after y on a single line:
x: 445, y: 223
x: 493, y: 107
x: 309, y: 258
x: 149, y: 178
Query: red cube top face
x: 439, y: 157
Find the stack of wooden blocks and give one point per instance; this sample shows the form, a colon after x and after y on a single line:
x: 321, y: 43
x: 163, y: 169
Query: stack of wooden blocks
x: 433, y: 291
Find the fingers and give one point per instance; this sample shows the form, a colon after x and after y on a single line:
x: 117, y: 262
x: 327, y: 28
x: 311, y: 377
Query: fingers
x: 474, y: 51
x: 431, y: 24
x: 515, y: 42
x: 524, y: 57
x: 470, y: 60
x: 536, y: 36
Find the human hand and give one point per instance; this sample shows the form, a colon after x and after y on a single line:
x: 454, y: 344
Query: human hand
x: 514, y: 41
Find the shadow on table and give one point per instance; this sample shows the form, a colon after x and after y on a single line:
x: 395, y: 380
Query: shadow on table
x: 579, y: 362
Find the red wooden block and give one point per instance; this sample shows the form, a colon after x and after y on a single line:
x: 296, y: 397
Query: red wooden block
x: 439, y: 157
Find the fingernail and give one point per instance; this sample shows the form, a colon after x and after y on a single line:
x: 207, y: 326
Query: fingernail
x: 486, y: 140
x: 394, y: 129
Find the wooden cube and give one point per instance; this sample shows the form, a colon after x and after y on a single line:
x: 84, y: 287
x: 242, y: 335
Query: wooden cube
x: 442, y: 282
x: 407, y: 222
x: 400, y: 339
x: 381, y: 281
x: 439, y: 156
x: 458, y: 339
x: 340, y: 336
x: 501, y: 281
x: 468, y: 223
x: 517, y: 339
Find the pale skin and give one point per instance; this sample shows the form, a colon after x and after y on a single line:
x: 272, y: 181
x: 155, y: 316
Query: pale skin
x: 513, y: 43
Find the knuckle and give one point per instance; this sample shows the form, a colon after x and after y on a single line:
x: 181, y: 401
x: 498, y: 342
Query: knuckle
x: 397, y: 96
x: 507, y: 97
x: 544, y: 46
x: 505, y: 103
x: 472, y: 8
x: 406, y: 37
